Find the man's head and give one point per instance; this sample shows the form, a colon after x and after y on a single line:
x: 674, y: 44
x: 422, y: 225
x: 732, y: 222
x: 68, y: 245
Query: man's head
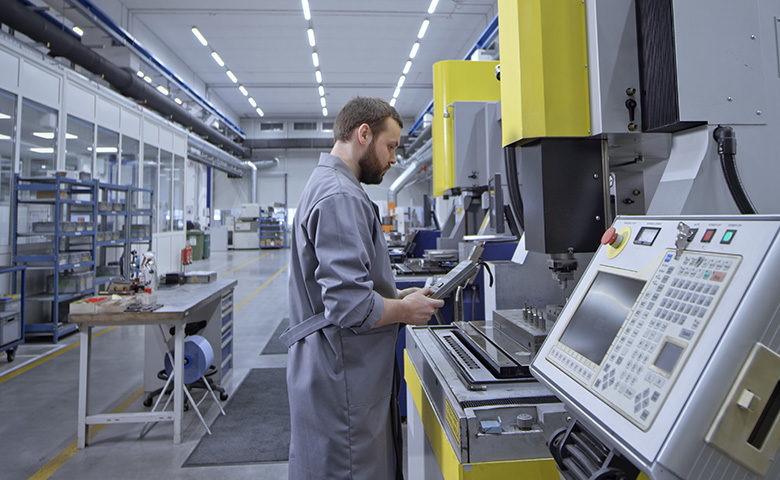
x: 373, y: 129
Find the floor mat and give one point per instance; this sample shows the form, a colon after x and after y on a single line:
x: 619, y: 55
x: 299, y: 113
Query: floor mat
x: 256, y: 428
x: 274, y: 345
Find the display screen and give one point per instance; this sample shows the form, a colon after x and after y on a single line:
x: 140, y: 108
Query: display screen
x: 668, y: 356
x: 600, y: 315
x: 646, y: 235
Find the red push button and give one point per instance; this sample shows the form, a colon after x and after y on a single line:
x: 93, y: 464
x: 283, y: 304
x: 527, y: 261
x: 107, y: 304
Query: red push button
x: 610, y: 237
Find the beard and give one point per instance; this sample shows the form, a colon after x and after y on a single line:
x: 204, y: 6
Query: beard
x: 371, y: 171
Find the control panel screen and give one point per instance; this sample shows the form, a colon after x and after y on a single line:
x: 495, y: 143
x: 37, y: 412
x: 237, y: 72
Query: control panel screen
x: 668, y: 356
x: 599, y: 317
x: 646, y: 235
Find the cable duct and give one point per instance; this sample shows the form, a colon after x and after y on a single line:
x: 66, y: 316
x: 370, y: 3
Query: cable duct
x: 421, y: 158
x: 61, y: 44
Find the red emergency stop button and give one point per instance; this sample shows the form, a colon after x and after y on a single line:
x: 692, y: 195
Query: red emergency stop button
x: 610, y: 237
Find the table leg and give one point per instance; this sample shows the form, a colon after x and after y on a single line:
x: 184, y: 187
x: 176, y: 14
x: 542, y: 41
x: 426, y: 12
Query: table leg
x: 84, y: 351
x: 178, y: 381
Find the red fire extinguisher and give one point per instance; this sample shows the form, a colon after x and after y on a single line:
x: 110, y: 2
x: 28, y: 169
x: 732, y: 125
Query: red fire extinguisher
x: 186, y: 254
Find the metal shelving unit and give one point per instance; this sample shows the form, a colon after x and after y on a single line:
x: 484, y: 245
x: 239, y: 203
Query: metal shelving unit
x: 110, y: 209
x: 10, y: 323
x: 66, y: 198
x: 138, y: 209
x: 272, y: 231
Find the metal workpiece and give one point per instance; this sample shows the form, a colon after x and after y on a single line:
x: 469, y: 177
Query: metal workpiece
x: 524, y: 325
x: 481, y: 424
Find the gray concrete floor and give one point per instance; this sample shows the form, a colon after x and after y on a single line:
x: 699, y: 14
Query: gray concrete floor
x: 38, y: 406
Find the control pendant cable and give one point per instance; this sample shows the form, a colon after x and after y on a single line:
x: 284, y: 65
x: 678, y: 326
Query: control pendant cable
x: 510, y: 165
x: 727, y: 149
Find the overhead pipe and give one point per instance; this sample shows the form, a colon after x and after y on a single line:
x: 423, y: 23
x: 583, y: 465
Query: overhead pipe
x: 59, y: 43
x: 254, y: 180
x: 422, y: 158
x: 267, y: 164
x: 208, y: 154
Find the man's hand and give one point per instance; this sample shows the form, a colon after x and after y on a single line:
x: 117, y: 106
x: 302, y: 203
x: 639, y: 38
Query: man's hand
x: 406, y: 292
x: 419, y: 307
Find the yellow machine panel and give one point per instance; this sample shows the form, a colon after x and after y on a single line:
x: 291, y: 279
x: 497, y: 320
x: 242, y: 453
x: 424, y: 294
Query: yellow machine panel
x: 456, y: 81
x: 544, y: 71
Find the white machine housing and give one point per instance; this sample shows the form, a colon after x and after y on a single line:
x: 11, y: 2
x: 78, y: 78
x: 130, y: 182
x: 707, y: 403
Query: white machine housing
x: 650, y: 347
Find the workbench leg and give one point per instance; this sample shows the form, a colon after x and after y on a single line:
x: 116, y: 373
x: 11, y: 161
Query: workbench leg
x: 84, y: 353
x: 178, y: 381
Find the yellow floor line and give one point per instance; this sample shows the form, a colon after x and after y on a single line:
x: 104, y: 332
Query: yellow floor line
x: 247, y: 263
x: 48, y: 357
x: 48, y: 470
x: 265, y: 284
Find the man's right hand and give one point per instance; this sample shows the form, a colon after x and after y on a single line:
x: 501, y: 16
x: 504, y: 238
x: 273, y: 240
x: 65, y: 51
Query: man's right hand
x: 419, y: 307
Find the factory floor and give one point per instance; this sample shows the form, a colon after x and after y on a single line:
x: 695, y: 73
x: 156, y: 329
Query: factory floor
x: 38, y: 391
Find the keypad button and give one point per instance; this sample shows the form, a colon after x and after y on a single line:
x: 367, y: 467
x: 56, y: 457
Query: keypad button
x: 686, y: 334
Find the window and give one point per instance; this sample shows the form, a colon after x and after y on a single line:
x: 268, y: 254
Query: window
x: 178, y: 193
x: 151, y: 157
x: 7, y: 134
x: 305, y: 126
x: 327, y: 126
x: 164, y: 198
x: 107, y: 164
x: 79, y: 142
x: 38, y: 140
x: 271, y: 126
x: 130, y: 151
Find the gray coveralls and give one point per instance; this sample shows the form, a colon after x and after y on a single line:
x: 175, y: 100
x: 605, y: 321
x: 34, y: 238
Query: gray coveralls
x: 340, y: 371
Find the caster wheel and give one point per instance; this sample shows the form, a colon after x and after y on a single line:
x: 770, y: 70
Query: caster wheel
x: 148, y: 402
x: 223, y: 396
x: 10, y: 354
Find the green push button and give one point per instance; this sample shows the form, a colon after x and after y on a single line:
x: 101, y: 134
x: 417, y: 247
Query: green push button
x: 728, y: 236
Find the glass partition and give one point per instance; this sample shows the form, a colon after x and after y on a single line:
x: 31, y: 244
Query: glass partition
x: 38, y: 140
x: 130, y: 151
x: 79, y: 143
x: 178, y: 193
x: 106, y: 164
x: 164, y: 201
x: 151, y: 157
x: 7, y: 137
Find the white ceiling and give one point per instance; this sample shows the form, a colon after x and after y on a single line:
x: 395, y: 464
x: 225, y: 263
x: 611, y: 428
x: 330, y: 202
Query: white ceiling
x: 363, y: 45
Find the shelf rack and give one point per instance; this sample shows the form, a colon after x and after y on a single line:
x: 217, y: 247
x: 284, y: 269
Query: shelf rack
x: 9, y: 345
x: 108, y: 199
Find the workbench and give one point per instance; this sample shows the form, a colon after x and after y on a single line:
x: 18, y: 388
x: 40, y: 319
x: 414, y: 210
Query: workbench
x: 179, y: 303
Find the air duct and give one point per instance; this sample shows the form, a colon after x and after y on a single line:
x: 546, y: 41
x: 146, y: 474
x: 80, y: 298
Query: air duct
x: 62, y: 44
x: 422, y: 158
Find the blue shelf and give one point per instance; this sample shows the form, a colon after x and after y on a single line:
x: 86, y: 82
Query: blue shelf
x: 112, y: 212
x: 63, y: 297
x: 60, y: 330
x: 111, y: 243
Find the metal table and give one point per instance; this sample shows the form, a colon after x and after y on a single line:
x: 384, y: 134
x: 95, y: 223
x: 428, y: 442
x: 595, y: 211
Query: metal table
x: 178, y: 303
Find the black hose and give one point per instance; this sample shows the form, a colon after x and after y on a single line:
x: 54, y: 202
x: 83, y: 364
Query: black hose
x: 515, y: 199
x: 727, y: 149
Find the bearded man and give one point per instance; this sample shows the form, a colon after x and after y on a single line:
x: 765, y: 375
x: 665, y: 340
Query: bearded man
x: 345, y: 311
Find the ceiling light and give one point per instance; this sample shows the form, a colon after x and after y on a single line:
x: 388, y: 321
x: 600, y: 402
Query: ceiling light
x: 407, y: 67
x: 44, y: 135
x: 322, y: 102
x: 243, y: 90
x: 4, y: 137
x: 401, y: 81
x: 218, y: 59
x: 321, y: 90
x: 215, y: 124
x: 432, y: 6
x: 306, y: 11
x: 315, y: 59
x: 231, y: 76
x: 199, y: 36
x: 78, y: 31
x: 423, y: 28
x: 310, y: 33
x: 162, y: 89
x: 252, y: 102
x: 318, y: 76
x: 148, y: 79
x: 397, y: 92
x: 392, y: 102
x: 259, y: 111
x: 107, y: 150
x: 178, y: 100
x: 413, y: 51
x: 71, y: 136
x: 4, y: 116
x: 324, y: 112
x: 42, y: 149
x: 140, y: 74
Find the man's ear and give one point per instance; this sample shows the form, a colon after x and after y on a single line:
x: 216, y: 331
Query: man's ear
x: 364, y: 134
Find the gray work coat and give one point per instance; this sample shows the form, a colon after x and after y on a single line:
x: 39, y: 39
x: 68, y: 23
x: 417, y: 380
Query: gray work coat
x: 340, y: 370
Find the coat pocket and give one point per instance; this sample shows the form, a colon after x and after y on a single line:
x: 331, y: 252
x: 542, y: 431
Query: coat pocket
x: 368, y: 365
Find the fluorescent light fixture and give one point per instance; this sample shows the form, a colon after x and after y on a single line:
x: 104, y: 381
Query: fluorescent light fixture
x: 215, y: 124
x: 217, y: 59
x: 231, y: 76
x: 423, y: 29
x: 306, y: 11
x: 432, y: 6
x: 147, y: 79
x: 78, y: 31
x: 321, y: 90
x: 140, y: 74
x: 322, y: 102
x: 252, y: 102
x: 310, y: 33
x: 243, y: 90
x: 392, y: 102
x: 42, y: 149
x: 162, y: 89
x: 407, y: 67
x: 397, y: 92
x: 4, y: 137
x: 324, y: 112
x: 199, y: 36
x: 71, y: 136
x: 44, y: 135
x: 178, y: 100
x: 413, y: 51
x: 4, y: 116
x: 315, y: 59
x: 318, y: 76
x: 259, y: 111
x: 401, y: 81
x: 105, y: 149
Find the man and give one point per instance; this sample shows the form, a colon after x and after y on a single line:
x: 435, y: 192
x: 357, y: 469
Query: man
x: 345, y: 310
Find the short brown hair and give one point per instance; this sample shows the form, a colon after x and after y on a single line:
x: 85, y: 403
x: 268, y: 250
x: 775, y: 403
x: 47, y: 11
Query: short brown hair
x: 369, y: 110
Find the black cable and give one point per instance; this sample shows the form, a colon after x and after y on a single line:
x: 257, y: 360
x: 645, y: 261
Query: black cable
x: 515, y: 199
x: 727, y: 149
